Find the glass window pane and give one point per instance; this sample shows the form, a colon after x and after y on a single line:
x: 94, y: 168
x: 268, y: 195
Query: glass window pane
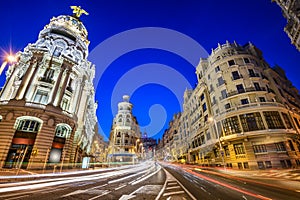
x: 273, y: 120
x: 252, y: 122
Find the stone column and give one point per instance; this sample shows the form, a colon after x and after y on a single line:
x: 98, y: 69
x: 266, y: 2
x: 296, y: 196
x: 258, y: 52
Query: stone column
x: 55, y: 90
x: 63, y: 87
x: 35, y: 69
x: 25, y: 79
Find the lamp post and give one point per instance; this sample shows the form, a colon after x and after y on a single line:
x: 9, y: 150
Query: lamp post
x: 136, y: 146
x: 211, y: 119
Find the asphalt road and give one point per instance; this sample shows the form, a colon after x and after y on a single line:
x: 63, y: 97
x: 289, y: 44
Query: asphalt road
x: 212, y: 186
x: 146, y: 181
x: 142, y: 181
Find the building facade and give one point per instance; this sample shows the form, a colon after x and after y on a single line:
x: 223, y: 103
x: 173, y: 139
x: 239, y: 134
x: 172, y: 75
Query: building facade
x: 125, y: 135
x: 242, y: 114
x: 149, y: 146
x: 99, y: 151
x: 47, y: 104
x: 291, y: 11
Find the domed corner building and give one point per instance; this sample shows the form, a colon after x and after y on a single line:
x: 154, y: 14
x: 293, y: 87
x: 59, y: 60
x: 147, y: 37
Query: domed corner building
x: 125, y: 137
x: 249, y: 112
x: 47, y: 105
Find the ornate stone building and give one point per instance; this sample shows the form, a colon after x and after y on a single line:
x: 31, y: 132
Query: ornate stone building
x: 242, y: 113
x: 291, y: 11
x: 47, y: 104
x: 125, y: 135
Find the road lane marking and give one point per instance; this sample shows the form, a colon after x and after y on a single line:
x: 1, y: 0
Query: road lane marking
x: 174, y: 187
x: 172, y: 179
x: 17, y: 197
x: 172, y: 183
x: 99, y: 186
x: 75, y: 192
x: 172, y: 193
x: 146, y: 177
x: 126, y: 197
x: 126, y: 177
x: 148, y: 189
x: 120, y: 187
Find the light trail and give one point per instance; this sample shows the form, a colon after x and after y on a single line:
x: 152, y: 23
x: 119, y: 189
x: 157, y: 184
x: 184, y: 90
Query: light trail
x: 60, y: 181
x: 188, y: 169
x: 227, y: 185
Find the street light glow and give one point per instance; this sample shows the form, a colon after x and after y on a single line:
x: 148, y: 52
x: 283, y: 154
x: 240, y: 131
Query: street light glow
x: 210, y: 119
x: 11, y: 58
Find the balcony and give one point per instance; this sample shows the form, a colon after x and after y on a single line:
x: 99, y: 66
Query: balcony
x: 245, y: 90
x: 253, y: 105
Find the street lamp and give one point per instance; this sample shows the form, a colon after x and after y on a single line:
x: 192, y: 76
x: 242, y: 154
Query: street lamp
x: 136, y: 146
x: 211, y: 119
x: 11, y: 59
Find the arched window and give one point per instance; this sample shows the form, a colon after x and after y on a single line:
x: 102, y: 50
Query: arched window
x: 28, y: 124
x: 62, y: 130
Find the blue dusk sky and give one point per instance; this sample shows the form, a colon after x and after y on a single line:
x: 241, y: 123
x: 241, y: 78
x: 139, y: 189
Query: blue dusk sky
x: 148, y: 49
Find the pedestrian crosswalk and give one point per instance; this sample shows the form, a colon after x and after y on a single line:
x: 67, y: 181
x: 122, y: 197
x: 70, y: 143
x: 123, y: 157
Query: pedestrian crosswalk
x: 173, y: 189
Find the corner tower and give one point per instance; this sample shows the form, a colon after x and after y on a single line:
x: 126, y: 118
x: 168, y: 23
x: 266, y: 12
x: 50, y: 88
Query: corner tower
x: 46, y: 97
x: 124, y: 143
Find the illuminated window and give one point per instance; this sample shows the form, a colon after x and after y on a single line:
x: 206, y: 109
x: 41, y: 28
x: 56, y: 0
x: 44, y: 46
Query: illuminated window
x: 297, y: 123
x: 291, y: 145
x: 28, y: 125
x: 62, y: 131
x: 287, y: 121
x: 252, y: 122
x: 268, y: 164
x: 280, y: 146
x: 259, y: 148
x: 273, y: 120
x: 226, y: 149
x: 239, y: 149
x: 231, y: 125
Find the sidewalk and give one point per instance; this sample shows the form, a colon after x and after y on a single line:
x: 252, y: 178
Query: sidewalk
x: 284, y: 174
x: 283, y: 178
